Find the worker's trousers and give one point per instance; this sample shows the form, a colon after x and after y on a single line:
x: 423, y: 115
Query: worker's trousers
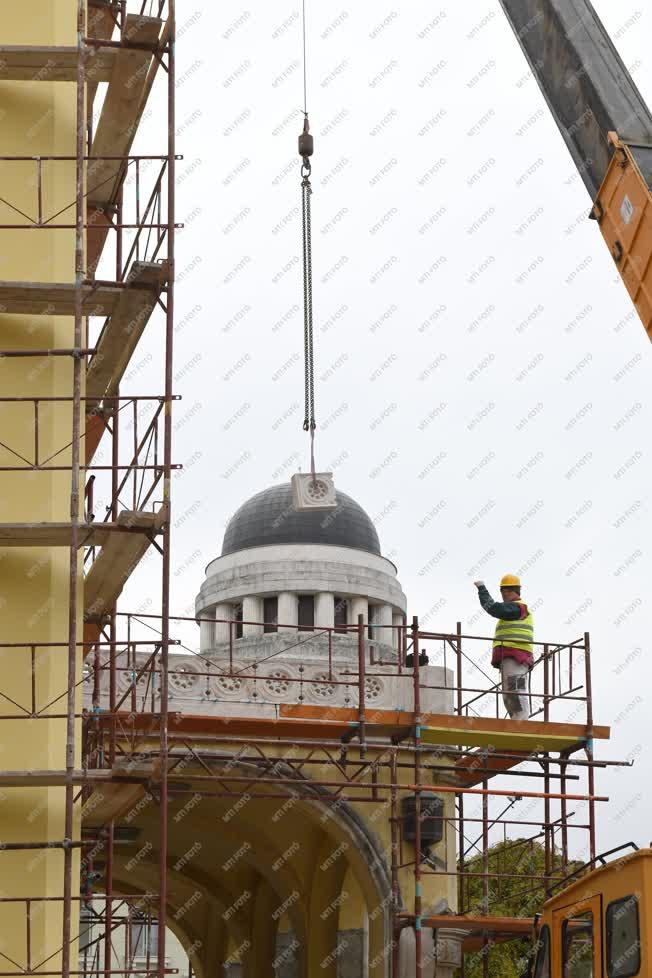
x: 515, y: 688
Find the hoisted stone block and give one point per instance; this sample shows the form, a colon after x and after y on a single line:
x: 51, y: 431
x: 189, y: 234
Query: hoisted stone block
x: 315, y: 492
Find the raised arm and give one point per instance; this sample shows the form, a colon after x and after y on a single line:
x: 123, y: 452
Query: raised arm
x: 505, y: 610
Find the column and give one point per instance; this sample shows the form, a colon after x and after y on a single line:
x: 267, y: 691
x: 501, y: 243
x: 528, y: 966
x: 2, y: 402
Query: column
x: 447, y: 950
x: 252, y: 611
x: 358, y: 606
x: 324, y: 610
x: 325, y: 944
x: 288, y: 612
x: 396, y: 620
x: 225, y: 612
x: 206, y: 629
x: 287, y: 957
x: 263, y: 931
x: 384, y: 618
x: 444, y: 953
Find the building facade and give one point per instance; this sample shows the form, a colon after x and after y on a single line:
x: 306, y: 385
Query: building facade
x: 290, y: 883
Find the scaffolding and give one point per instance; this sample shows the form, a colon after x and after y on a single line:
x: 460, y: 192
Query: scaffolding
x: 119, y: 455
x: 122, y: 219
x: 548, y: 762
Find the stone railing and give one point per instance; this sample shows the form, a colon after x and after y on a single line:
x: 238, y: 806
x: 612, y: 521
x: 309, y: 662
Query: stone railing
x: 260, y: 672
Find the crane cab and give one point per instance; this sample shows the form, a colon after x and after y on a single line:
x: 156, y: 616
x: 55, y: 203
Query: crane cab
x: 599, y: 926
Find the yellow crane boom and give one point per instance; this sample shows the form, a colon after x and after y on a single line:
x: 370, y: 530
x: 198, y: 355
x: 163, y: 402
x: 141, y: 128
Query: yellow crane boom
x: 605, y: 123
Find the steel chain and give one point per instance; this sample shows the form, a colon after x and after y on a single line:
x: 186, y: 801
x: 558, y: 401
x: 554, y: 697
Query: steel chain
x: 309, y: 423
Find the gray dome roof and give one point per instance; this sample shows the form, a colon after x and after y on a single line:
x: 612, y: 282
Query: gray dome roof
x: 270, y: 518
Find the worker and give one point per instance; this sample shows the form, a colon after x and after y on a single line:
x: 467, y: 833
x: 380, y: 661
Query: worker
x: 513, y: 642
x: 89, y: 879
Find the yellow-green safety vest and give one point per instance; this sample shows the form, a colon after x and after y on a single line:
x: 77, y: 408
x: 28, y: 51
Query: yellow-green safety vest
x: 516, y: 634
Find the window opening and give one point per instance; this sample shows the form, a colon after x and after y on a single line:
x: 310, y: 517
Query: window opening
x: 306, y: 612
x: 578, y: 939
x: 270, y: 615
x: 623, y: 938
x: 341, y: 614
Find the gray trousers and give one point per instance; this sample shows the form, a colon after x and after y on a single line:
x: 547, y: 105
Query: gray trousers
x: 515, y: 688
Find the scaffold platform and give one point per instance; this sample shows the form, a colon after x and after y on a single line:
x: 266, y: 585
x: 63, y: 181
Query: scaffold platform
x: 335, y: 724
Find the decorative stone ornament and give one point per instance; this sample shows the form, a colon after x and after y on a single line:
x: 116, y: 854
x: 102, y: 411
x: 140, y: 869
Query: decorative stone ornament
x: 441, y: 952
x: 316, y: 492
x: 183, y: 678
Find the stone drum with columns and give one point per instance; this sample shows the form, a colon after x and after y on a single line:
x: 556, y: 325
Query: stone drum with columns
x: 283, y: 602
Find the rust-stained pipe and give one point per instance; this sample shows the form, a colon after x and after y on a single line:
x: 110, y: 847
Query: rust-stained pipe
x: 546, y: 767
x: 589, y: 744
x: 361, y: 685
x: 460, y: 797
x: 74, y: 491
x: 418, y: 937
x: 485, y: 873
x: 396, y: 890
x: 167, y: 482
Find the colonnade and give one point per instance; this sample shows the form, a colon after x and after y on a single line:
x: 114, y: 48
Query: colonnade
x: 381, y: 617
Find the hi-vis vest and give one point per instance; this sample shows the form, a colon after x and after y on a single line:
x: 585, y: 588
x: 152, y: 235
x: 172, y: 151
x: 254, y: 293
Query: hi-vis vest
x: 516, y: 634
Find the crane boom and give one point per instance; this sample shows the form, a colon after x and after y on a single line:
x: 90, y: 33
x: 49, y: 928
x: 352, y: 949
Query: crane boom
x: 605, y: 123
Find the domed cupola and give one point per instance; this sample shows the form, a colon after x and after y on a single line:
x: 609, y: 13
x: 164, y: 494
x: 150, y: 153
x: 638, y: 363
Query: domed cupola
x: 269, y: 518
x: 283, y: 571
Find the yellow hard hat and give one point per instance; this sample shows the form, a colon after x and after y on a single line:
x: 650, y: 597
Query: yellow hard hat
x: 510, y: 580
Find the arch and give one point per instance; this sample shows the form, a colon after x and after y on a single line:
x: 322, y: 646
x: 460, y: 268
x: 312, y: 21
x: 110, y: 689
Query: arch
x: 188, y: 935
x: 202, y: 927
x: 304, y: 883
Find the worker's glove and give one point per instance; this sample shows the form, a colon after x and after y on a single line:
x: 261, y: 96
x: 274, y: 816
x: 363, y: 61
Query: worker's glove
x: 479, y: 583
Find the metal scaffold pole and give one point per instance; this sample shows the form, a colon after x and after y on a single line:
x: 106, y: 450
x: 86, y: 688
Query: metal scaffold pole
x: 589, y: 744
x: 74, y: 563
x: 167, y: 480
x: 460, y: 797
x: 418, y: 934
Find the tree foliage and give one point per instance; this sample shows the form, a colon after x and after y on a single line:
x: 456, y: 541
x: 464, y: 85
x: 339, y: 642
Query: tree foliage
x: 508, y: 897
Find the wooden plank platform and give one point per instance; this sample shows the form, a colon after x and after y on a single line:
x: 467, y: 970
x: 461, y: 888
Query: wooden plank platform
x: 58, y: 298
x: 474, y: 768
x: 496, y: 929
x: 34, y: 63
x: 441, y: 728
x: 255, y: 727
x: 123, y: 106
x: 333, y: 723
x: 123, y: 787
x: 116, y: 561
x: 90, y: 534
x: 96, y: 425
x: 100, y: 23
x: 121, y: 333
x: 52, y: 534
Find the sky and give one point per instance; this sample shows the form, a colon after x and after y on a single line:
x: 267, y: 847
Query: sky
x: 481, y: 375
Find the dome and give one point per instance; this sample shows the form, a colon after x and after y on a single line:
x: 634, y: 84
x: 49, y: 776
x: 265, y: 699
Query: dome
x: 270, y: 518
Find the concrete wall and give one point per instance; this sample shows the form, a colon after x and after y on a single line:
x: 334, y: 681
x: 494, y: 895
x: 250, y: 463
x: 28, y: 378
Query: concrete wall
x: 300, y: 568
x: 35, y: 118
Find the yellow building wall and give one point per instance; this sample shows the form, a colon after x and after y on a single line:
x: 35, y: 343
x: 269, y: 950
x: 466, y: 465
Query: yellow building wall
x: 36, y: 118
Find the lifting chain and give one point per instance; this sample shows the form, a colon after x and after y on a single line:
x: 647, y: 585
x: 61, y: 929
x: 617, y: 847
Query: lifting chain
x: 306, y: 147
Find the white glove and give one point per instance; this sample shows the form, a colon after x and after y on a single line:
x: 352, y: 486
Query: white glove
x: 479, y: 583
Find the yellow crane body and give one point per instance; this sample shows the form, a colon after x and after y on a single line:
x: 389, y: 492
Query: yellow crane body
x: 600, y: 925
x: 623, y: 210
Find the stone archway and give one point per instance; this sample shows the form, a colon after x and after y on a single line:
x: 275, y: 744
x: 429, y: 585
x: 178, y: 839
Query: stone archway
x: 269, y: 861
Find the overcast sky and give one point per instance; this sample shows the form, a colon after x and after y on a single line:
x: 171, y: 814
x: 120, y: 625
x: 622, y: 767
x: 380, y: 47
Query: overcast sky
x: 482, y: 376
